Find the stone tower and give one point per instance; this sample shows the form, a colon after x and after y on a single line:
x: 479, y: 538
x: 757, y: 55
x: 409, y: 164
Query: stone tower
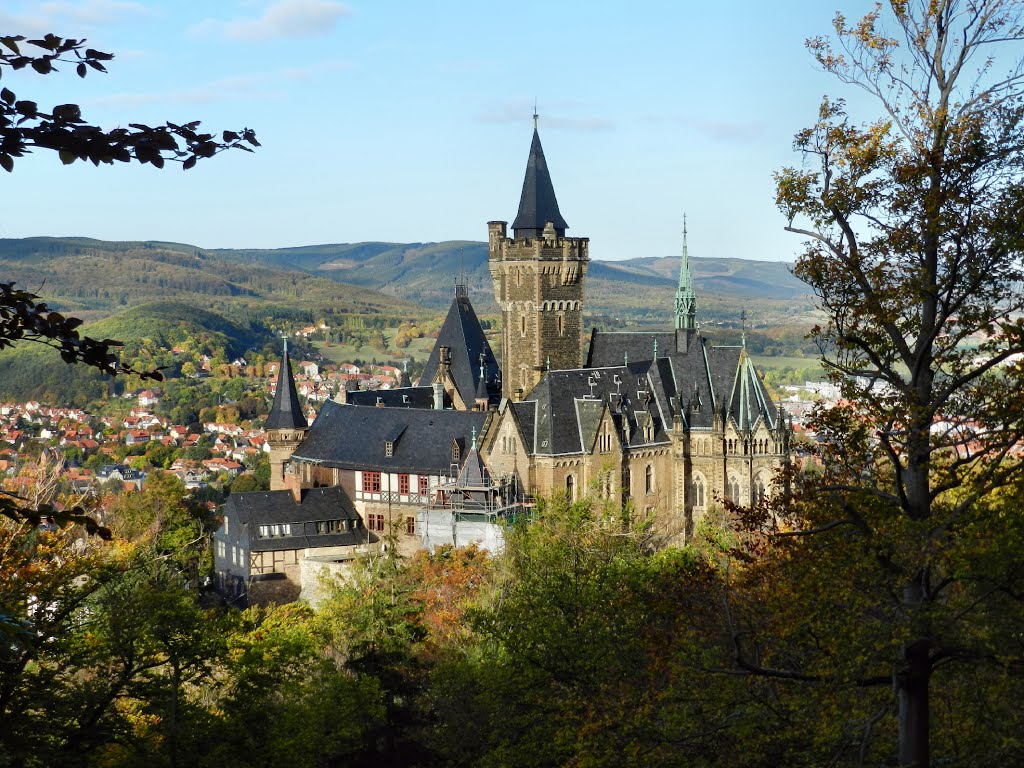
x: 286, y: 425
x: 538, y: 277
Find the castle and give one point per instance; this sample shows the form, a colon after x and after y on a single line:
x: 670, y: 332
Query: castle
x: 666, y: 420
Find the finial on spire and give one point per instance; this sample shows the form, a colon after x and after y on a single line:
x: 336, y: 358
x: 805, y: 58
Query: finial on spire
x: 547, y: 363
x: 461, y: 286
x: 285, y: 340
x: 474, y: 438
x: 743, y: 328
x: 655, y: 347
x: 535, y: 115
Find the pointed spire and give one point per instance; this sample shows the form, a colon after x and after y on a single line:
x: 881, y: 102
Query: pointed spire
x: 537, y: 204
x: 481, y: 384
x: 686, y: 299
x: 286, y: 413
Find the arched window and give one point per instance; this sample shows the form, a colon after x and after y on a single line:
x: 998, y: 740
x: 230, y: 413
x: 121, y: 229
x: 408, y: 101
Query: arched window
x: 697, y: 491
x: 760, y: 489
x: 570, y: 487
x: 522, y: 324
x: 649, y: 479
x: 561, y: 325
x: 733, y: 489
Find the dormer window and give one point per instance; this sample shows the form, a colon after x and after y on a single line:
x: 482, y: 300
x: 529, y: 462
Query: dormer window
x: 456, y: 452
x: 389, y: 448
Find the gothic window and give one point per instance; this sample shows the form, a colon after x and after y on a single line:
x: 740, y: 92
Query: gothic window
x: 733, y: 489
x: 760, y: 489
x: 570, y: 487
x: 697, y: 491
x: 561, y: 324
x: 649, y: 479
x: 522, y: 325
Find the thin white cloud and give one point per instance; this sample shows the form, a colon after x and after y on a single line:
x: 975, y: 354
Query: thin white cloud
x: 725, y: 131
x: 94, y: 12
x: 62, y: 17
x: 559, y: 116
x: 286, y: 18
x: 225, y: 88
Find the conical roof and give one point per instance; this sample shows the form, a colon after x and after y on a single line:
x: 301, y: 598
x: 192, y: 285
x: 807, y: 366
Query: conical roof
x: 286, y: 413
x: 538, y: 204
x: 464, y: 337
x: 473, y: 473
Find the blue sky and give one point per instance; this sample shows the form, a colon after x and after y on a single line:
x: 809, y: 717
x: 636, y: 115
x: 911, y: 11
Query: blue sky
x: 409, y: 121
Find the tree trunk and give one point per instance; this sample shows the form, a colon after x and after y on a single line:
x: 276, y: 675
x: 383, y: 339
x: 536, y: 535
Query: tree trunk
x: 911, y: 684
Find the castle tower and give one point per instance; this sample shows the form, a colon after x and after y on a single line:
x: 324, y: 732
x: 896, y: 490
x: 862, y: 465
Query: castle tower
x: 538, y: 277
x: 286, y: 425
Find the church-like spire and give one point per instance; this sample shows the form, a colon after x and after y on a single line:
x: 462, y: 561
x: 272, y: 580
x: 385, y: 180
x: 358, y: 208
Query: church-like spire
x: 686, y: 299
x: 286, y: 413
x: 538, y: 204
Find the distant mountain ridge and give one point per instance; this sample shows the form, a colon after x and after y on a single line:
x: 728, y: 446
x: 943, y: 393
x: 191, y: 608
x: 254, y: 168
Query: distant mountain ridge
x: 412, y: 270
x: 95, y: 277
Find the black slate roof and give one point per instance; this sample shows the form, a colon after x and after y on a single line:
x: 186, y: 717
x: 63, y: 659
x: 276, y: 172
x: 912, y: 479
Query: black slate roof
x: 354, y: 437
x: 562, y: 413
x: 462, y: 334
x: 286, y: 412
x: 537, y: 204
x: 280, y: 507
x: 403, y: 397
x: 719, y: 380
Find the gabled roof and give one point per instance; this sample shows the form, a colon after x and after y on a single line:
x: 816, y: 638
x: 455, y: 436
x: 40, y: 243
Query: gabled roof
x: 722, y: 380
x: 749, y: 402
x: 462, y: 334
x: 354, y: 437
x: 403, y: 397
x: 286, y: 413
x: 537, y: 204
x: 280, y: 507
x: 567, y: 407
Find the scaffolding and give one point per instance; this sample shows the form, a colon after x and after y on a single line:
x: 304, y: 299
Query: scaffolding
x: 472, y: 508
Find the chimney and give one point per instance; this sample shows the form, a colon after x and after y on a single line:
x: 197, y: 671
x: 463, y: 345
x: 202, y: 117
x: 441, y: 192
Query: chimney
x: 438, y: 396
x: 293, y: 483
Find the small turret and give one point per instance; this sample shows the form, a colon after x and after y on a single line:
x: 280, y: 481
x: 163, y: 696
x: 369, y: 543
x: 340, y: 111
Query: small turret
x: 286, y: 425
x: 686, y: 300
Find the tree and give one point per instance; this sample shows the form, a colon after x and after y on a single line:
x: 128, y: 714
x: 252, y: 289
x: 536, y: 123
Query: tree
x: 592, y: 651
x: 25, y: 127
x: 913, y: 248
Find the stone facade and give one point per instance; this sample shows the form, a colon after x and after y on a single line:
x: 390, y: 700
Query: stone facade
x: 538, y: 284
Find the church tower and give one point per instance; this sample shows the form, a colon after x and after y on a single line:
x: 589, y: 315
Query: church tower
x: 538, y: 277
x: 286, y: 425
